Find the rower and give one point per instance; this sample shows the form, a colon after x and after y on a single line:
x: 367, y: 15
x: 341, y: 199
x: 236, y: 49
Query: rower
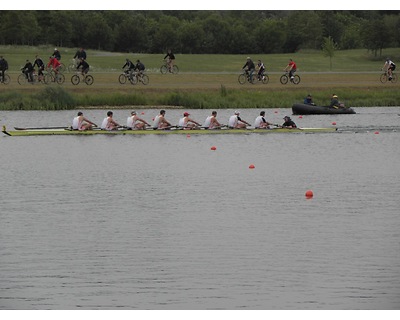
x: 135, y: 123
x: 109, y: 123
x: 160, y: 122
x: 260, y: 122
x: 184, y: 122
x: 235, y: 122
x: 212, y: 122
x: 81, y: 123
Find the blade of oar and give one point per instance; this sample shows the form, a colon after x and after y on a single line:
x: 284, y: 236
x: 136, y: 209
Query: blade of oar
x: 5, y: 131
x: 41, y: 128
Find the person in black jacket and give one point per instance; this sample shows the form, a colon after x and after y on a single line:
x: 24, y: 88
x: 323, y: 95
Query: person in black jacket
x: 80, y: 54
x: 170, y: 59
x: 27, y: 69
x: 288, y: 123
x: 84, y: 65
x: 40, y: 64
x: 3, y: 67
x: 249, y: 67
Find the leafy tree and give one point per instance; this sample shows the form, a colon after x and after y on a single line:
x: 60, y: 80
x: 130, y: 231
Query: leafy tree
x: 304, y: 30
x: 191, y: 36
x: 270, y: 36
x: 375, y: 35
x: 328, y: 48
x: 98, y: 33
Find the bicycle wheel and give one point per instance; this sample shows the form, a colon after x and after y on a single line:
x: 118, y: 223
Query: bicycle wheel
x: 383, y: 78
x: 72, y: 67
x: 242, y: 78
x: 62, y: 67
x: 47, y: 78
x: 394, y: 78
x: 284, y: 79
x: 122, y: 78
x: 89, y: 80
x: 175, y: 69
x: 22, y: 79
x: 164, y: 69
x: 265, y: 79
x: 7, y: 79
x: 133, y: 79
x: 296, y: 79
x: 75, y: 79
x: 60, y: 78
x: 145, y: 79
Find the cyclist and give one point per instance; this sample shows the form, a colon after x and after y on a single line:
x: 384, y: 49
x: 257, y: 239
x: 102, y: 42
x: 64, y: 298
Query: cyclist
x: 130, y: 67
x: 3, y: 67
x: 170, y: 60
x: 291, y: 67
x: 27, y: 69
x: 54, y: 64
x: 389, y: 67
x: 40, y: 64
x: 57, y: 54
x: 249, y: 67
x: 84, y: 65
x: 139, y: 67
x: 80, y: 54
x: 261, y: 70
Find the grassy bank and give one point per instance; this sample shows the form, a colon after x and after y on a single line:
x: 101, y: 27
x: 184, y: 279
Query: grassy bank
x: 205, y: 82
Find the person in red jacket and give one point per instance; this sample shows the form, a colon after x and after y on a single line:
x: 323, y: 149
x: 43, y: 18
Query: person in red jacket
x: 291, y: 67
x: 54, y: 64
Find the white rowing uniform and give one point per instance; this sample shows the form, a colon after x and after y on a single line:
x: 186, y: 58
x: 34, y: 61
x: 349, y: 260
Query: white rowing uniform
x: 157, y: 121
x: 233, y: 121
x: 106, y: 124
x: 183, y: 122
x: 131, y: 121
x: 207, y: 123
x: 77, y: 123
x: 259, y: 120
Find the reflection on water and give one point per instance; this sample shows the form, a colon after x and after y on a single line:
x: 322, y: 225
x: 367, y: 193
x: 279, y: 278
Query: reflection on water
x: 163, y: 222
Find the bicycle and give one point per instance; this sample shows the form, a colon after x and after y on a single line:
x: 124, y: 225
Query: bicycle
x: 285, y: 78
x: 385, y: 77
x: 87, y: 78
x: 166, y: 68
x: 6, y: 80
x: 52, y: 76
x: 127, y: 75
x: 245, y: 76
x: 22, y: 79
x: 72, y: 66
x: 140, y: 77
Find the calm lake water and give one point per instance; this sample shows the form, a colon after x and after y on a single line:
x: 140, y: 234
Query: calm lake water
x: 163, y: 222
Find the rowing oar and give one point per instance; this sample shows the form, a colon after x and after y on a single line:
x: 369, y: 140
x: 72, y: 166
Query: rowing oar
x: 5, y: 131
x: 41, y: 128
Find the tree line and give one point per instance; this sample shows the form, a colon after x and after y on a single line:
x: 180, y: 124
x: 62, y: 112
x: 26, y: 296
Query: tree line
x: 202, y: 32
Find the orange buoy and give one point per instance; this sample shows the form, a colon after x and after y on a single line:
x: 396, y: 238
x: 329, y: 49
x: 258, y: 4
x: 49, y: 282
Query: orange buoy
x: 334, y: 123
x: 213, y: 148
x: 309, y: 194
x: 251, y: 166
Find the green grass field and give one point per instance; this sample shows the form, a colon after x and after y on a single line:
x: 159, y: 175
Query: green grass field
x: 204, y: 81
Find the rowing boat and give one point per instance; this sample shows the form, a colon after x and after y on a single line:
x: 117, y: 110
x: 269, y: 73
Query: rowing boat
x: 67, y: 131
